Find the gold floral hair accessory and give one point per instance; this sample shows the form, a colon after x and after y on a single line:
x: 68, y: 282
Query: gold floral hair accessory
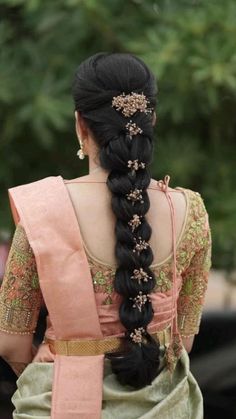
x: 140, y: 300
x: 140, y: 275
x: 133, y: 128
x: 140, y: 245
x: 135, y: 165
x: 135, y: 195
x: 137, y: 335
x: 131, y: 103
x: 135, y: 221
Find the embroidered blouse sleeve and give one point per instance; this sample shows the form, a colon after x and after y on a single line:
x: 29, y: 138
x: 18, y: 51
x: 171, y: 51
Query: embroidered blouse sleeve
x: 20, y: 295
x: 195, y: 275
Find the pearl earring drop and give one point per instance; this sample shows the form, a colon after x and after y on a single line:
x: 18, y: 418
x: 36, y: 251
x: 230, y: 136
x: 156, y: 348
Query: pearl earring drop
x: 80, y: 152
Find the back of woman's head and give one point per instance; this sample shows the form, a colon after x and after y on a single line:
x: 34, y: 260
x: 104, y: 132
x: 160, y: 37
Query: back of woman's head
x: 115, y: 94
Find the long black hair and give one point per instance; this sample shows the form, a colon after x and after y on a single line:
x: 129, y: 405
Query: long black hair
x: 125, y: 143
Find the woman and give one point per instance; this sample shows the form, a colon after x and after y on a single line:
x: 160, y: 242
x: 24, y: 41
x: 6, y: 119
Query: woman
x: 120, y: 260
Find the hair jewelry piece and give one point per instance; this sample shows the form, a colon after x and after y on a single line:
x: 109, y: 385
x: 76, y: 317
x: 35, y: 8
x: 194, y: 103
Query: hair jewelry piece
x: 140, y: 300
x: 140, y: 245
x: 135, y: 165
x: 135, y: 221
x: 131, y: 103
x: 139, y: 275
x: 133, y: 128
x: 137, y: 335
x: 135, y: 195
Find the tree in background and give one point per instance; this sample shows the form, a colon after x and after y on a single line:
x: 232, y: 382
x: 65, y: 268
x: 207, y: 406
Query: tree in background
x: 190, y: 45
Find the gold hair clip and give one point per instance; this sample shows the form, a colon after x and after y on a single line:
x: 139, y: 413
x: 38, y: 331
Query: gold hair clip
x: 133, y: 128
x: 139, y: 275
x: 137, y: 335
x: 135, y: 165
x: 135, y: 195
x: 140, y: 245
x: 131, y: 103
x: 135, y: 222
x: 140, y: 300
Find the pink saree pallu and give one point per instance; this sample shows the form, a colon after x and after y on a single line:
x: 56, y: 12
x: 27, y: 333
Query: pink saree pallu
x: 47, y: 214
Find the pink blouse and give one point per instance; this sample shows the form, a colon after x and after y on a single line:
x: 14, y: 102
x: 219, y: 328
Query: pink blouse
x: 21, y: 297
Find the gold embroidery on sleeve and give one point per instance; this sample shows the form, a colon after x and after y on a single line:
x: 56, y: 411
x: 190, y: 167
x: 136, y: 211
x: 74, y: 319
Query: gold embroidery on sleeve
x: 20, y: 295
x: 196, y: 270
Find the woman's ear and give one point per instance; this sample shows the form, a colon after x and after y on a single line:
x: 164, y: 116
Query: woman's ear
x: 80, y: 126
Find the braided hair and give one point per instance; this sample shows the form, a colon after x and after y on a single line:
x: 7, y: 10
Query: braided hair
x: 116, y: 96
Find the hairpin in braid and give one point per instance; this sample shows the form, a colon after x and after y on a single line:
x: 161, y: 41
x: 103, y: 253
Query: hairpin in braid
x: 137, y: 335
x: 135, y: 195
x: 140, y: 275
x: 140, y: 245
x: 131, y: 103
x: 135, y: 164
x: 135, y: 221
x: 140, y: 300
x: 133, y: 129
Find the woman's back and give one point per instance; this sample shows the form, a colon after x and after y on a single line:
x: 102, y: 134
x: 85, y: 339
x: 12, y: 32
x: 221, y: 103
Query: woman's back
x: 92, y: 204
x: 91, y: 201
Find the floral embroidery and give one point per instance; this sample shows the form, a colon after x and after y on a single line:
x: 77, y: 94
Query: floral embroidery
x: 195, y: 274
x: 163, y: 278
x: 195, y: 236
x: 173, y: 352
x: 20, y: 296
x: 103, y: 278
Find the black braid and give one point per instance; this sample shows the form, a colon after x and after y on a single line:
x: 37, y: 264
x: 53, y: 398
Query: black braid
x: 125, y: 154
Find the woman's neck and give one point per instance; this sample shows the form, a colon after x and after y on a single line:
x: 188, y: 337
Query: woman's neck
x: 97, y: 172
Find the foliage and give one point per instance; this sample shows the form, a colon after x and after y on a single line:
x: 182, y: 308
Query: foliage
x: 190, y: 45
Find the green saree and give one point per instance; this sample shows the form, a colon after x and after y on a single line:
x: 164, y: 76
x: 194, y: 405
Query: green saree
x: 179, y: 398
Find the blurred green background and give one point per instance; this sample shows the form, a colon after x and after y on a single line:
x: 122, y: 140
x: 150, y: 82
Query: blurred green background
x: 190, y: 46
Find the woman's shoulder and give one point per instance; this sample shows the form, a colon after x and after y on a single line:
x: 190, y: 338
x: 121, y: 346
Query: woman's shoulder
x: 196, y: 215
x: 44, y: 180
x: 194, y: 198
x: 197, y: 220
x: 179, y: 193
x: 39, y: 188
x: 35, y: 197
